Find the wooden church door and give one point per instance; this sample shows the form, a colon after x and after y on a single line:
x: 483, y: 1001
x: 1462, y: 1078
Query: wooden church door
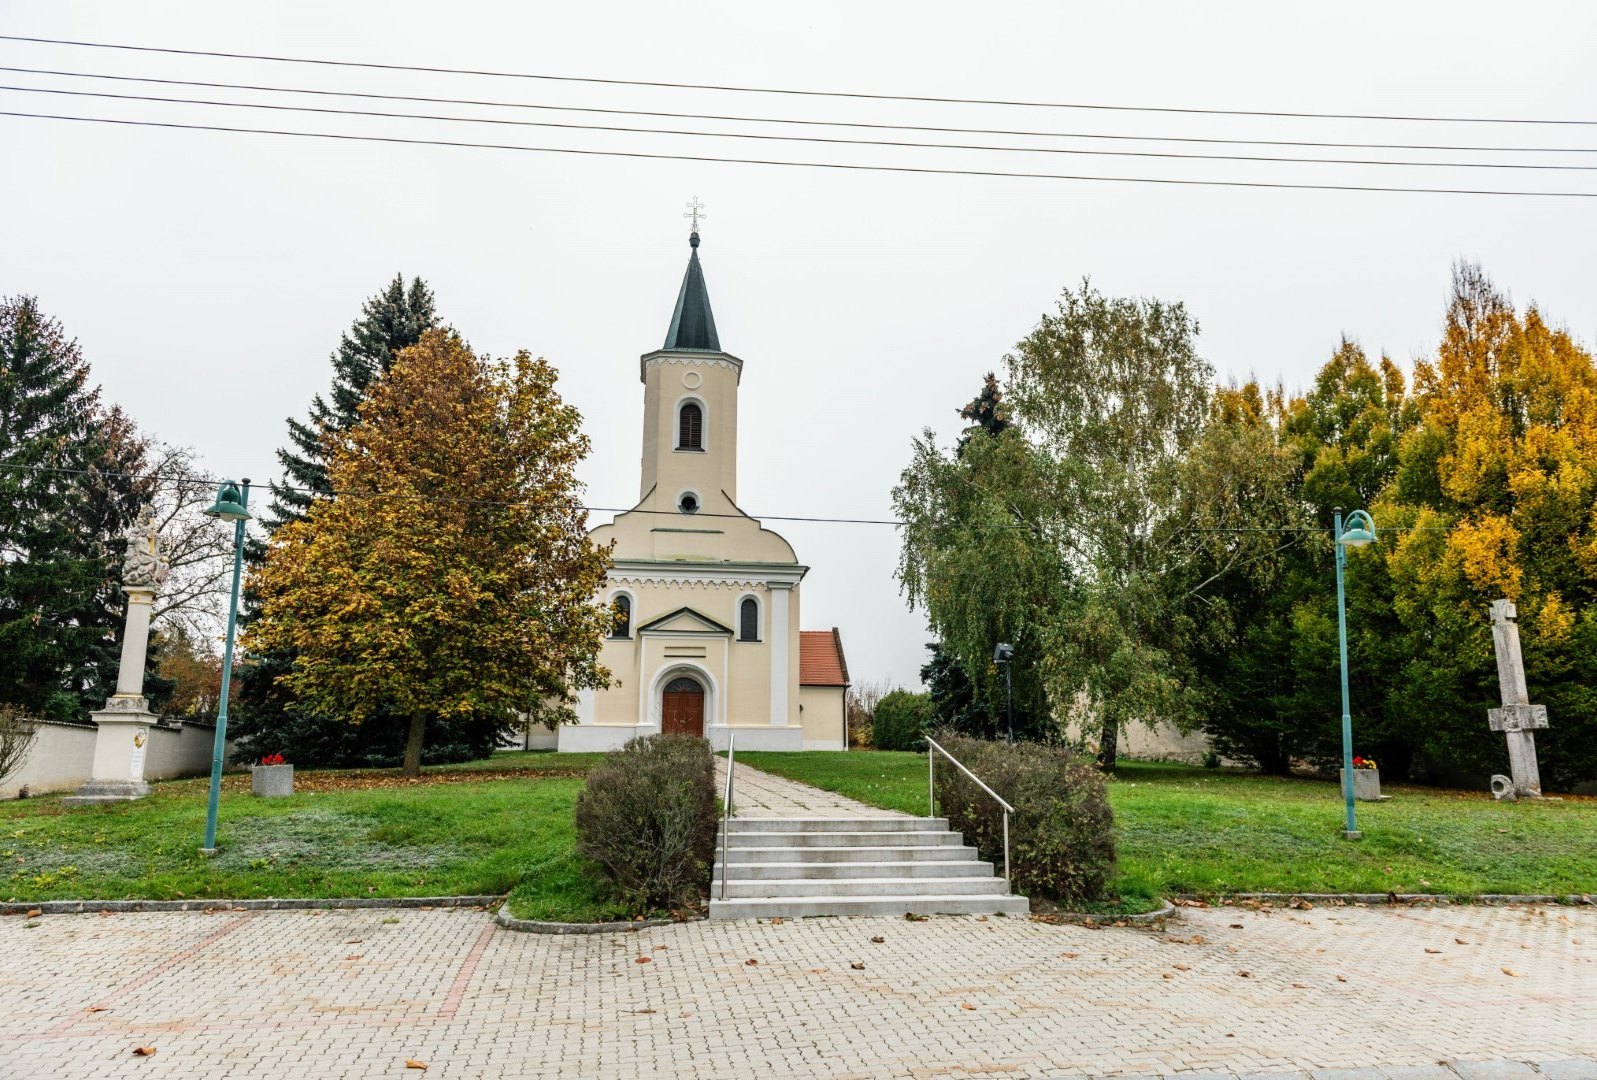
x: 682, y: 708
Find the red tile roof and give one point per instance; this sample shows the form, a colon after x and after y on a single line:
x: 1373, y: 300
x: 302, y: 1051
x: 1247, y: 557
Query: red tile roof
x: 821, y: 660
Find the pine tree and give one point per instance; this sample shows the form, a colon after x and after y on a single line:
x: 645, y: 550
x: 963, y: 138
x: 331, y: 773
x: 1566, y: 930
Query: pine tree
x: 66, y: 497
x: 392, y: 320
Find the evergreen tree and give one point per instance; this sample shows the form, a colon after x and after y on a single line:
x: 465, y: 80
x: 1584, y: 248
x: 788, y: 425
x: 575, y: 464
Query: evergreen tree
x: 394, y: 319
x: 66, y: 497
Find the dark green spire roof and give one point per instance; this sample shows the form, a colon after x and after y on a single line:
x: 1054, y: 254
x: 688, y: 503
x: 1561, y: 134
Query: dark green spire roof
x: 692, y: 324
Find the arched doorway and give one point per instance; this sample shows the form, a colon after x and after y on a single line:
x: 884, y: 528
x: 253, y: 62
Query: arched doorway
x: 682, y: 707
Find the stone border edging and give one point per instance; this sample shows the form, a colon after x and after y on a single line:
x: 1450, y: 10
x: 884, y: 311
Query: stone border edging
x: 1078, y: 918
x: 91, y: 907
x: 1572, y: 899
x: 537, y: 926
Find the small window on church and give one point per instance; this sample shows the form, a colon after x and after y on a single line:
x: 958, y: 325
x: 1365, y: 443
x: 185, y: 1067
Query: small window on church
x: 621, y: 610
x: 690, y: 427
x: 688, y: 503
x: 749, y: 620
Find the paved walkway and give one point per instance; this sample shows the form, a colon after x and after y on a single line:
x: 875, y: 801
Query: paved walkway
x: 356, y: 993
x: 760, y: 794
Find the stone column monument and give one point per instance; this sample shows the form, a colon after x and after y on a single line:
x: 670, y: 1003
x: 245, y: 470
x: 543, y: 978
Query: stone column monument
x: 124, y: 724
x: 1517, y: 719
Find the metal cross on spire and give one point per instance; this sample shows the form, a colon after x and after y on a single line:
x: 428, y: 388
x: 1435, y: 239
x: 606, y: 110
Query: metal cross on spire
x: 695, y: 212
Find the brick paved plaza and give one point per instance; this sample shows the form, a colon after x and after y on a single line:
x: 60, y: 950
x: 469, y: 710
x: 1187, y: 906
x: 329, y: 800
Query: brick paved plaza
x: 356, y: 993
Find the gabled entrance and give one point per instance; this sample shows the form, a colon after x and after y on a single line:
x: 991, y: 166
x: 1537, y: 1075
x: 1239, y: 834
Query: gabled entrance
x: 682, y: 707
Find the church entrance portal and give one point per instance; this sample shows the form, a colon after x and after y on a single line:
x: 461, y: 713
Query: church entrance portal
x: 682, y: 707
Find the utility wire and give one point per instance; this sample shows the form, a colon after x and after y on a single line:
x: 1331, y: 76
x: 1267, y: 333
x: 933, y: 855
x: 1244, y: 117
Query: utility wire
x: 923, y: 170
x: 778, y: 90
x: 213, y: 481
x: 830, y: 140
x: 786, y: 120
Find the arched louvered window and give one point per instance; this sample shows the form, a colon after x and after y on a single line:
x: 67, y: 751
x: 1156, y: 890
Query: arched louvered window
x: 690, y: 427
x: 749, y: 619
x: 621, y: 608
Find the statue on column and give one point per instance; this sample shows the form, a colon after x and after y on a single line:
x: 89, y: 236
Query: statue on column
x: 124, y: 724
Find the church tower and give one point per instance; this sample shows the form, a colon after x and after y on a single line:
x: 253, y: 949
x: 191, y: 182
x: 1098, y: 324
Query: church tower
x: 706, y: 637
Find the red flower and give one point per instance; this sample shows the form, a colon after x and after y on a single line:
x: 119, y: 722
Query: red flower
x: 272, y: 759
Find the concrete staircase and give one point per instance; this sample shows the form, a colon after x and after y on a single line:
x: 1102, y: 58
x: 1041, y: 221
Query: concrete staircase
x: 798, y: 867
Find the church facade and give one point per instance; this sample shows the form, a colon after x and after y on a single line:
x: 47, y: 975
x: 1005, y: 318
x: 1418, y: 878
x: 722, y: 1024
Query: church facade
x: 706, y: 638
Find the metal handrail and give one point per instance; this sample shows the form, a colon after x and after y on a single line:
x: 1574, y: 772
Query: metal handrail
x: 726, y: 808
x: 931, y: 793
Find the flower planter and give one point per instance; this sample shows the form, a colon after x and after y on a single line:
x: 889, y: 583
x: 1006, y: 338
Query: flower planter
x: 1366, y: 784
x: 272, y: 781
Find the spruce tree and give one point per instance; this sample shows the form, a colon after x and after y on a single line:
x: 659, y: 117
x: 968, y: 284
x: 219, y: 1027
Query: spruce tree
x: 269, y: 719
x: 394, y: 319
x: 67, y: 496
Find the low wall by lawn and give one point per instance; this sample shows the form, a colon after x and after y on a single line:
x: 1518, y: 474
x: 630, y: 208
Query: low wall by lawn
x: 63, y: 755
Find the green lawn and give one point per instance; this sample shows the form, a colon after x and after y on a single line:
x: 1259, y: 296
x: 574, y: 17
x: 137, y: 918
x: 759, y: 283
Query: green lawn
x: 355, y: 833
x: 1190, y: 830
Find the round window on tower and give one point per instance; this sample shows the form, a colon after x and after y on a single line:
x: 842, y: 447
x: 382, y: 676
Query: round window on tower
x: 688, y: 502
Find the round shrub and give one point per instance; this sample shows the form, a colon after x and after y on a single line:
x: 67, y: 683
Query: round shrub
x: 648, y: 818
x: 1061, y: 835
x: 901, y: 720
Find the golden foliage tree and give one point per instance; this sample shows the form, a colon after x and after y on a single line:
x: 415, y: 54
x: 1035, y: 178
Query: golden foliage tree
x: 451, y: 573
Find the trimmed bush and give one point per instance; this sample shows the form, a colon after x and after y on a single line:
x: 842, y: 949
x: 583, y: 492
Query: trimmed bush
x: 1061, y: 835
x: 648, y: 819
x: 901, y: 721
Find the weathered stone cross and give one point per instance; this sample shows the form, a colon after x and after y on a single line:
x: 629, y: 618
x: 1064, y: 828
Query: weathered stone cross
x: 1517, y: 718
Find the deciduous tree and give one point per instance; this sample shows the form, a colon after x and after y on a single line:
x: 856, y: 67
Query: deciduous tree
x: 452, y: 575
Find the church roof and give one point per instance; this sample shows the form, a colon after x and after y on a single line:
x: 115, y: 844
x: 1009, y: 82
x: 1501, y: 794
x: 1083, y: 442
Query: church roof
x: 692, y: 324
x: 821, y: 660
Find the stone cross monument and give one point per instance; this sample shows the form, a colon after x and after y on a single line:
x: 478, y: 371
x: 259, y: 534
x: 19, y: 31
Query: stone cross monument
x: 1517, y: 719
x: 124, y: 724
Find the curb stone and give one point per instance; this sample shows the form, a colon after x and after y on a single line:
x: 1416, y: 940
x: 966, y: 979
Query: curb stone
x: 1571, y: 899
x: 1076, y: 918
x: 537, y: 926
x: 1502, y: 1069
x: 91, y: 907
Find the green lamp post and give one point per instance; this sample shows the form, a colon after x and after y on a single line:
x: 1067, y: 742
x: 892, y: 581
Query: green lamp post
x: 231, y: 504
x: 1360, y: 531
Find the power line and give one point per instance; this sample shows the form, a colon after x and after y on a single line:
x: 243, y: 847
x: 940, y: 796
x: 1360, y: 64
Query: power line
x: 850, y: 167
x: 1211, y: 140
x: 213, y: 481
x: 830, y: 140
x: 859, y: 95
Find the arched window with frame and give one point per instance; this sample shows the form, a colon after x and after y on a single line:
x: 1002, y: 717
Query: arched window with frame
x: 690, y: 426
x: 621, y: 612
x: 749, y: 619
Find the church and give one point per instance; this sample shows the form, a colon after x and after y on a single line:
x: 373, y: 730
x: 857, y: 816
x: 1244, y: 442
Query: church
x: 706, y: 637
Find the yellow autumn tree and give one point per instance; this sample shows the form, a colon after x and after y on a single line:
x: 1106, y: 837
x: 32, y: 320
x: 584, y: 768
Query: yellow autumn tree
x: 451, y: 574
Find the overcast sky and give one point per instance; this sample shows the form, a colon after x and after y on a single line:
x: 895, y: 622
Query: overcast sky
x: 208, y: 275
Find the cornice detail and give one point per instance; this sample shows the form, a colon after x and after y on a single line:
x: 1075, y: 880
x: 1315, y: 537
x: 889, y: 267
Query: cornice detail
x: 689, y: 359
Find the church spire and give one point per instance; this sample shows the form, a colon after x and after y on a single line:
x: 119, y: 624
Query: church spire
x: 692, y: 323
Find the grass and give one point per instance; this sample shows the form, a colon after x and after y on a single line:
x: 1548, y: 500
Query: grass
x: 1184, y: 829
x: 367, y: 833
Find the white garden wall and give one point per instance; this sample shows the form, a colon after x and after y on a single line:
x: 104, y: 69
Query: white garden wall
x: 63, y: 754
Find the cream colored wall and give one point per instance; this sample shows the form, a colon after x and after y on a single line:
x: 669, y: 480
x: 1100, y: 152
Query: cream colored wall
x: 668, y: 378
x: 740, y: 669
x: 823, y: 714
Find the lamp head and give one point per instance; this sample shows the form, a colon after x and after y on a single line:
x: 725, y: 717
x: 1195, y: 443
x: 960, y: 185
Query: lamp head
x: 1360, y: 530
x: 229, y: 505
x: 1003, y: 653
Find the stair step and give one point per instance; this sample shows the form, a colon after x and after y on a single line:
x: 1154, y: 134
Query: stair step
x: 833, y: 825
x: 925, y: 868
x: 918, y: 838
x: 941, y: 853
x: 845, y: 887
x: 800, y: 907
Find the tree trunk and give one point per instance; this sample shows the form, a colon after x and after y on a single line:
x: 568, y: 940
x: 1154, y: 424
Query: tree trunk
x: 1108, y: 745
x: 418, y: 728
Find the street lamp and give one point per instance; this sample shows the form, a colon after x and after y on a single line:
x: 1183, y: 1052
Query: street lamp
x: 1360, y: 531
x: 231, y: 504
x: 1003, y: 656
